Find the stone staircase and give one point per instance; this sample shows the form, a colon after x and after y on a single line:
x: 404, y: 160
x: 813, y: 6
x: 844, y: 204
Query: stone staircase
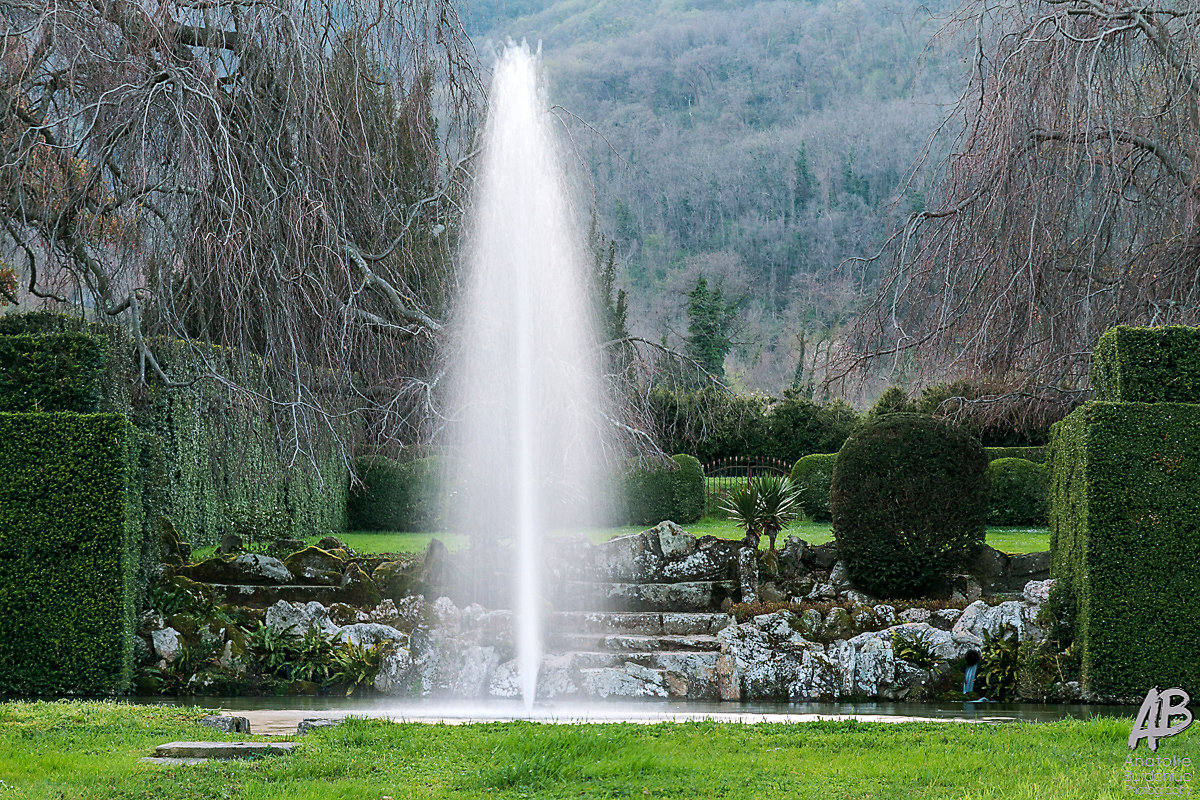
x: 608, y: 655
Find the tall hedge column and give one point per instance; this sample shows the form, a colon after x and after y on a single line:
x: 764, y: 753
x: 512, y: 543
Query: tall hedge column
x: 68, y: 529
x: 1125, y: 514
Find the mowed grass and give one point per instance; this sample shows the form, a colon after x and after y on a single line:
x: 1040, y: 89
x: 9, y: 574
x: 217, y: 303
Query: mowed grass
x: 1008, y: 540
x: 91, y: 750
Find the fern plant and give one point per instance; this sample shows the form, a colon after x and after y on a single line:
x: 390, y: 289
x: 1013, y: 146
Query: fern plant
x: 355, y: 665
x: 915, y: 647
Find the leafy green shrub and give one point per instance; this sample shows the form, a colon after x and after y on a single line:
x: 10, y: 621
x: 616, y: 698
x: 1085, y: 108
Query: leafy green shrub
x: 1148, y: 365
x: 812, y: 476
x: 689, y: 489
x: 53, y: 362
x: 355, y: 666
x: 1123, y: 538
x: 52, y: 372
x: 909, y: 503
x: 894, y: 400
x: 69, y: 542
x: 743, y: 506
x: 655, y: 493
x: 714, y: 424
x: 395, y: 495
x: 998, y: 666
x: 1019, y: 492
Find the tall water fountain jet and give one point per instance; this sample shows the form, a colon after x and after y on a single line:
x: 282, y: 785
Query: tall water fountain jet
x: 525, y: 388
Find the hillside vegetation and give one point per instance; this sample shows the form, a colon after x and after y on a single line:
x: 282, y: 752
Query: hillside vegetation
x: 759, y: 144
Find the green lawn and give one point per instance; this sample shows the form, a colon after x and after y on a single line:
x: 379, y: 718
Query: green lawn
x: 91, y: 750
x: 1009, y: 540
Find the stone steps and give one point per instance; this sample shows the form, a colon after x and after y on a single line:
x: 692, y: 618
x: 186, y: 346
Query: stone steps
x: 616, y: 597
x: 646, y: 623
x: 257, y: 596
x: 632, y: 642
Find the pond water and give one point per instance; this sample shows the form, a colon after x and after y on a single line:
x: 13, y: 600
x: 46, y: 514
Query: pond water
x: 280, y: 715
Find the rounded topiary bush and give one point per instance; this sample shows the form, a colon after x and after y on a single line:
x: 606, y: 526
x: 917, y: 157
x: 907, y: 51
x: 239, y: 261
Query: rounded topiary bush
x: 909, y: 503
x: 689, y: 489
x: 395, y: 495
x: 1019, y: 492
x: 659, y: 492
x: 812, y: 475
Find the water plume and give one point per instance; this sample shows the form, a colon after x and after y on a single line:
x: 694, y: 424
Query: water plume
x: 525, y: 385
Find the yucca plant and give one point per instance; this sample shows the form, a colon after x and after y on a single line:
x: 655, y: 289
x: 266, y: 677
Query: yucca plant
x: 778, y: 504
x: 745, y: 508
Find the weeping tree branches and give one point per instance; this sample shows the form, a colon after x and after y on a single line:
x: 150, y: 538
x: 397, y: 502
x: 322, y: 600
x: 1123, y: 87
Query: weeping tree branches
x: 264, y: 176
x: 1068, y: 203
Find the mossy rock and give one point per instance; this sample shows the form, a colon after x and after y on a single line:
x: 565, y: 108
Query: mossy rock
x: 314, y: 565
x: 358, y: 588
x: 397, y: 579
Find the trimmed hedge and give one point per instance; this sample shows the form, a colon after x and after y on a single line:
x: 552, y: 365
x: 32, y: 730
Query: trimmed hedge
x: 813, y: 475
x: 52, y: 372
x: 70, y: 533
x: 217, y: 460
x: 657, y: 493
x: 909, y: 503
x: 1035, y: 454
x: 395, y: 495
x: 1019, y: 492
x: 1125, y: 538
x: 1147, y: 365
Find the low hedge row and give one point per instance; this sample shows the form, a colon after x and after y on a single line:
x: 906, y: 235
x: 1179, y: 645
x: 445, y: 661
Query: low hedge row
x: 1035, y: 454
x: 1124, y: 523
x: 70, y: 535
x: 1018, y: 492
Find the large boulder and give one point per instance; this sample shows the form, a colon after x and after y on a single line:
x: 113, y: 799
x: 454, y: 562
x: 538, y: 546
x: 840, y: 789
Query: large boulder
x: 395, y: 676
x: 314, y: 565
x: 979, y: 617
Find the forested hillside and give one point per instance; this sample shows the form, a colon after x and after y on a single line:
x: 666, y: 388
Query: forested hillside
x: 759, y: 144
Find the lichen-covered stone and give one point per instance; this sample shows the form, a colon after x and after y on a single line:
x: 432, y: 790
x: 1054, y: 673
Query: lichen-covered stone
x: 300, y: 617
x: 395, y: 676
x: 673, y: 540
x: 166, y: 643
x: 371, y: 633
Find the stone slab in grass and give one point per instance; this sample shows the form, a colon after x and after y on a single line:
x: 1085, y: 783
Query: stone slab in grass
x: 221, y: 750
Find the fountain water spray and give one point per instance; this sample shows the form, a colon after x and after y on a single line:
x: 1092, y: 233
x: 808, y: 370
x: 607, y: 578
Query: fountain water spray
x: 526, y: 450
